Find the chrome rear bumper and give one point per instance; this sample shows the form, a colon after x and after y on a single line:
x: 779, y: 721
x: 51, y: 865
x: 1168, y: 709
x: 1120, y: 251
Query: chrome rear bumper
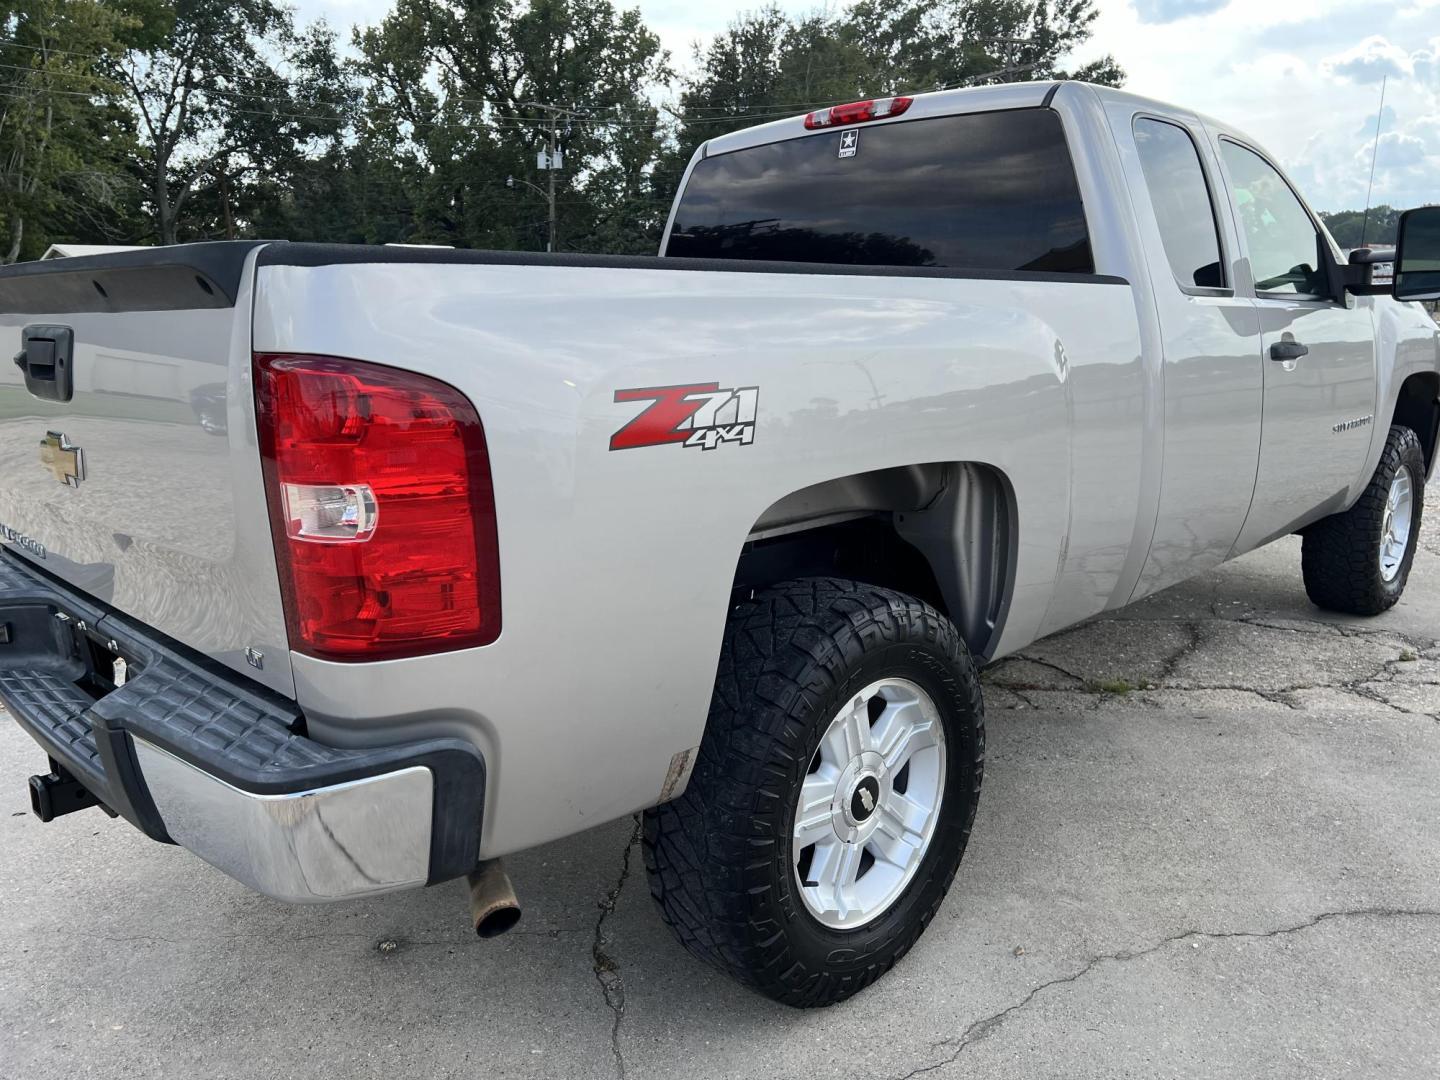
x: 352, y: 839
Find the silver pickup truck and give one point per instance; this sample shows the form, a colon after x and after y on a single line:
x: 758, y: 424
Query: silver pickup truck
x: 353, y: 568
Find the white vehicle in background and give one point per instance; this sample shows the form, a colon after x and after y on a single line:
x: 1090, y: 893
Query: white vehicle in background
x: 70, y: 251
x: 352, y: 569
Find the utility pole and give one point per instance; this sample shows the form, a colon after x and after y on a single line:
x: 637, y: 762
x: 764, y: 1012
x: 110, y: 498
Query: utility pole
x: 552, y: 166
x: 551, y: 160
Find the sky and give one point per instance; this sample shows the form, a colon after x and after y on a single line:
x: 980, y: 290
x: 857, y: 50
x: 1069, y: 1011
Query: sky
x: 1302, y: 79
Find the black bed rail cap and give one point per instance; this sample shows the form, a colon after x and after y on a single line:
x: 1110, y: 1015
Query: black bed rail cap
x: 172, y: 278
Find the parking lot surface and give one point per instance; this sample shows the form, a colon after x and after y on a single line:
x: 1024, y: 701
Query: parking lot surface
x: 1208, y: 846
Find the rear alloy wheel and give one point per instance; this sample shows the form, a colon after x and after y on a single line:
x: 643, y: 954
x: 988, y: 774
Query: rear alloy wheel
x: 833, y: 793
x: 1357, y: 562
x: 868, y: 807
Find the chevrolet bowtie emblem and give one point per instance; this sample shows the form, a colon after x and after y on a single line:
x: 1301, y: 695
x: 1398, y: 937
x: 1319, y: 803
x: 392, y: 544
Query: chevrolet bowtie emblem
x: 65, y: 462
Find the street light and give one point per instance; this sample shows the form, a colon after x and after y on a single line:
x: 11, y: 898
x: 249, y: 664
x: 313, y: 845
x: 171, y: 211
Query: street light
x: 548, y: 196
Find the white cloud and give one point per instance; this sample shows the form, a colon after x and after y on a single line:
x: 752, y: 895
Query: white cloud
x: 1427, y: 130
x: 343, y: 14
x: 1164, y: 11
x: 1373, y: 59
x: 1263, y: 68
x: 1427, y: 62
x: 1395, y: 150
x: 1387, y: 119
x: 1335, y: 169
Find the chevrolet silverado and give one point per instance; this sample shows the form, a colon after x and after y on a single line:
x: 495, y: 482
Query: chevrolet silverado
x: 352, y: 569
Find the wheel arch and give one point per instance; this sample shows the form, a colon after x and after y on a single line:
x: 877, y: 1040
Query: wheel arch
x: 941, y: 531
x: 1418, y: 407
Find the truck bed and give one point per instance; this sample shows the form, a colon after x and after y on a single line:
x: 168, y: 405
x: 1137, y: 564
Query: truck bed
x: 856, y: 368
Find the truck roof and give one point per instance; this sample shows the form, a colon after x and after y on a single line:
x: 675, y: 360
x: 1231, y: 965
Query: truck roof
x: 1025, y: 95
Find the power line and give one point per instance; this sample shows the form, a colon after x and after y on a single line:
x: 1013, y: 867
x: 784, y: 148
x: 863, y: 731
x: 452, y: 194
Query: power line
x: 499, y: 121
x: 577, y: 109
x: 100, y: 56
x: 576, y: 117
x: 52, y: 52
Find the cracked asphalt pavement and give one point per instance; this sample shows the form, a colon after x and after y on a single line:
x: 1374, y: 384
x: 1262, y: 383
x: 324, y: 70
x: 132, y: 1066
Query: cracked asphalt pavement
x: 1208, y: 846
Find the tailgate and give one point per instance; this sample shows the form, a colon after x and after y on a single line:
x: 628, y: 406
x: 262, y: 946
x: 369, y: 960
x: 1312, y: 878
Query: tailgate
x: 139, y: 483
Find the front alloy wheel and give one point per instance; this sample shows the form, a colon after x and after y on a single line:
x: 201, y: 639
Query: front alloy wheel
x: 1395, y: 527
x: 1357, y: 562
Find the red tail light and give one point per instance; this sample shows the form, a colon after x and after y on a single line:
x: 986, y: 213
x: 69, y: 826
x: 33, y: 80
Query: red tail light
x: 857, y: 112
x: 381, y: 508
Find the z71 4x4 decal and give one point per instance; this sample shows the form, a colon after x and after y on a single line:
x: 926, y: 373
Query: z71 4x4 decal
x: 700, y: 414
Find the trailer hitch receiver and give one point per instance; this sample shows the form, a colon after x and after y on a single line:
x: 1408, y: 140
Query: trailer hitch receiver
x: 58, y: 793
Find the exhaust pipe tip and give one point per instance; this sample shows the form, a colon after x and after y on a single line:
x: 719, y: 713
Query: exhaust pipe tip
x: 493, y: 906
x: 497, y: 922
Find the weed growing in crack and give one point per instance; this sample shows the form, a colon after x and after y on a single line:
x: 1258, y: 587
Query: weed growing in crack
x: 1117, y: 686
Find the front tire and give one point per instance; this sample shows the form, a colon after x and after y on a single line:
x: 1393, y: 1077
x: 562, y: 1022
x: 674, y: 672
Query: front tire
x: 833, y: 794
x: 1358, y: 562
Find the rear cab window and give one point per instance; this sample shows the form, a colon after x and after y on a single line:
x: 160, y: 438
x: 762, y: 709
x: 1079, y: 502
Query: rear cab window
x: 982, y: 191
x: 1180, y: 196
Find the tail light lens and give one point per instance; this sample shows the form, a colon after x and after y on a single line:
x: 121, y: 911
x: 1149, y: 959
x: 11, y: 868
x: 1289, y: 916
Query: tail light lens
x: 381, y: 509
x: 857, y: 112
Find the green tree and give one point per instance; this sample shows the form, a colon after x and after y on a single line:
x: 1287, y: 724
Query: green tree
x: 919, y: 45
x: 1379, y: 230
x: 62, y: 138
x: 227, y: 92
x: 765, y: 65
x: 180, y: 119
x: 768, y: 64
x: 464, y: 94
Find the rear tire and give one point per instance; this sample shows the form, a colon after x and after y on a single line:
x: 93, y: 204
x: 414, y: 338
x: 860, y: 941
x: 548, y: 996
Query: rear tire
x: 1358, y: 562
x: 814, y: 674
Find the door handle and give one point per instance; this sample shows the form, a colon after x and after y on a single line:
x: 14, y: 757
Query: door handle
x: 1288, y: 350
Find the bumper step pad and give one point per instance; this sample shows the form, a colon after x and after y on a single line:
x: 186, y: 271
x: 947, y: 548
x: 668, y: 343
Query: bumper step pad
x: 196, y: 711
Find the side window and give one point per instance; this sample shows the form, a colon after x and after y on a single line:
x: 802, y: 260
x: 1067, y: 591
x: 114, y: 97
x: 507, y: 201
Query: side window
x: 1181, y: 198
x: 1284, y: 243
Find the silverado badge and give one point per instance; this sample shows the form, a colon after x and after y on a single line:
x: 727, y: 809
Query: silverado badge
x: 65, y: 462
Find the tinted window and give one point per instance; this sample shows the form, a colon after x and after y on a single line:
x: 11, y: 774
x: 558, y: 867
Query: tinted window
x: 1182, y: 202
x: 1284, y: 243
x: 990, y: 191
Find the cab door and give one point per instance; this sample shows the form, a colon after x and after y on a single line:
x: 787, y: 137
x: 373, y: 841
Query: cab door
x: 1318, y: 350
x: 1210, y: 334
